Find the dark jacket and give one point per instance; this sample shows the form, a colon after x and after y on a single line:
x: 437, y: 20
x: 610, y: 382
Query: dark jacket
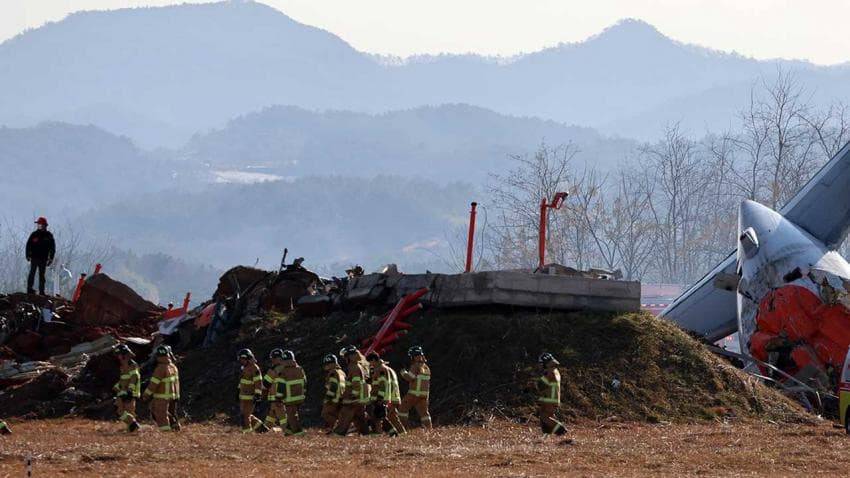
x: 41, y: 246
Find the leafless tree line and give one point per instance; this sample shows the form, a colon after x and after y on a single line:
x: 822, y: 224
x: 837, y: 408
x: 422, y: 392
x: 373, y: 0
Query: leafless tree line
x: 667, y: 213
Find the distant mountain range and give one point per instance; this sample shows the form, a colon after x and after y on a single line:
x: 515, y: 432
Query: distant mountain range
x: 160, y: 74
x: 59, y: 168
x: 445, y: 143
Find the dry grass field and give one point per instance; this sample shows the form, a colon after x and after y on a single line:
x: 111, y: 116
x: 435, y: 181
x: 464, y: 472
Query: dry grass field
x: 74, y: 447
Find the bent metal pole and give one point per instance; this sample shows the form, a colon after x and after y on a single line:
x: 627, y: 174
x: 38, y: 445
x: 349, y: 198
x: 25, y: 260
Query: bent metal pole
x: 557, y: 202
x: 470, y: 237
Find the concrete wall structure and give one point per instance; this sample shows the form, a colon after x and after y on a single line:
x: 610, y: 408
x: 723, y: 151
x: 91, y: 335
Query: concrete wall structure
x: 511, y: 288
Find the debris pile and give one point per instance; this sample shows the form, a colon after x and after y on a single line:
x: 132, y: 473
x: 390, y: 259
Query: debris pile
x: 48, y: 344
x: 617, y: 365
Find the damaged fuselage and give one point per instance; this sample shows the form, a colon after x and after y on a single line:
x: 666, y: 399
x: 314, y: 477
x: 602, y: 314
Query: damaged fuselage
x: 792, y: 296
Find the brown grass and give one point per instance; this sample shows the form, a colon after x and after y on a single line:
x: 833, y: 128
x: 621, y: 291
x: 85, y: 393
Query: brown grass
x: 88, y: 448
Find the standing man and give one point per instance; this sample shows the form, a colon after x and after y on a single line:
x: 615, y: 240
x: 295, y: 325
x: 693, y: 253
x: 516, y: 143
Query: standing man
x: 41, y: 248
x: 293, y: 387
x: 163, y: 388
x: 250, y: 391
x: 334, y: 389
x: 129, y: 387
x: 549, y: 395
x: 4, y: 429
x: 277, y: 412
x: 418, y: 388
x: 356, y: 395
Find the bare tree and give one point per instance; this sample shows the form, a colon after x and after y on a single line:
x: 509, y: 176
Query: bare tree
x: 516, y: 202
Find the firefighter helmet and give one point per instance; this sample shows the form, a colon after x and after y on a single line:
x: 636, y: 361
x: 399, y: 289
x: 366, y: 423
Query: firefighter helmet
x: 330, y: 359
x: 124, y: 350
x: 287, y: 355
x: 162, y: 351
x: 276, y: 354
x: 415, y: 351
x: 245, y: 354
x: 546, y: 357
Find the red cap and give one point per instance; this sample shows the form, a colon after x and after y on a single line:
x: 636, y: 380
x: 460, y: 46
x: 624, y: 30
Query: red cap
x: 42, y: 220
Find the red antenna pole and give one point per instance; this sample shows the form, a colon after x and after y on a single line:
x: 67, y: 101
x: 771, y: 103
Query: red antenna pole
x: 470, y: 237
x: 557, y: 202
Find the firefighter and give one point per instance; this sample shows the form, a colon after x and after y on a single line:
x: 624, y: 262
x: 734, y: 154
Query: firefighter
x: 172, y: 405
x: 334, y: 388
x: 4, y: 429
x: 418, y: 388
x: 163, y: 389
x: 250, y: 391
x: 277, y: 412
x: 129, y: 387
x: 549, y: 395
x: 356, y: 395
x: 382, y: 378
x: 395, y: 402
x: 293, y: 388
x: 40, y: 250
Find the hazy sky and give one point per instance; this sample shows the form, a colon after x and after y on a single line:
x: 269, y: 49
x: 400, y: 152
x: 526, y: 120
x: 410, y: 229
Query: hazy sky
x: 813, y: 30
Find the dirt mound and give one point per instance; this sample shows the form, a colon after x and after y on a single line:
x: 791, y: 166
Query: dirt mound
x: 631, y: 366
x: 105, y: 301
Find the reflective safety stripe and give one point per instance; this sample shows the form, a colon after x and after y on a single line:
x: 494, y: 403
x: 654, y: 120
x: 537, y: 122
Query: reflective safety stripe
x: 247, y: 430
x: 417, y: 390
x: 291, y: 383
x: 165, y: 428
x: 246, y: 397
x: 245, y: 381
x: 554, y: 391
x: 165, y: 396
x: 155, y: 380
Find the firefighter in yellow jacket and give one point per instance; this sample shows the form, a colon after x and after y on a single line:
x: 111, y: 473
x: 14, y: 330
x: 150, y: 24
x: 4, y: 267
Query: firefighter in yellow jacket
x: 395, y: 401
x: 334, y: 388
x: 4, y: 428
x: 250, y: 391
x: 549, y: 395
x: 128, y: 389
x: 163, y: 389
x: 277, y: 411
x: 356, y: 395
x: 384, y: 384
x: 292, y: 386
x: 418, y: 390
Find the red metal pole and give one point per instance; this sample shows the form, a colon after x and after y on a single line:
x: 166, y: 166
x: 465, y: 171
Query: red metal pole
x: 471, y: 237
x: 97, y: 269
x: 541, y: 244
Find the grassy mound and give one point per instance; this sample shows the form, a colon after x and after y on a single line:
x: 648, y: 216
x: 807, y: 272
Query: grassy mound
x: 628, y: 366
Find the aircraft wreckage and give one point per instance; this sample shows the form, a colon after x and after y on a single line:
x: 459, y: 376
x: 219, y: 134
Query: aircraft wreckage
x: 785, y: 290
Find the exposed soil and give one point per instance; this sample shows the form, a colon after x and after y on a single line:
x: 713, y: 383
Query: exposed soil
x: 75, y: 447
x: 614, y: 366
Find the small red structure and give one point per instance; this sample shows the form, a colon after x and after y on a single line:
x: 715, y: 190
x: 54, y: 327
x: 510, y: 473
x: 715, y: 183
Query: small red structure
x: 557, y: 202
x: 79, y: 289
x: 470, y: 237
